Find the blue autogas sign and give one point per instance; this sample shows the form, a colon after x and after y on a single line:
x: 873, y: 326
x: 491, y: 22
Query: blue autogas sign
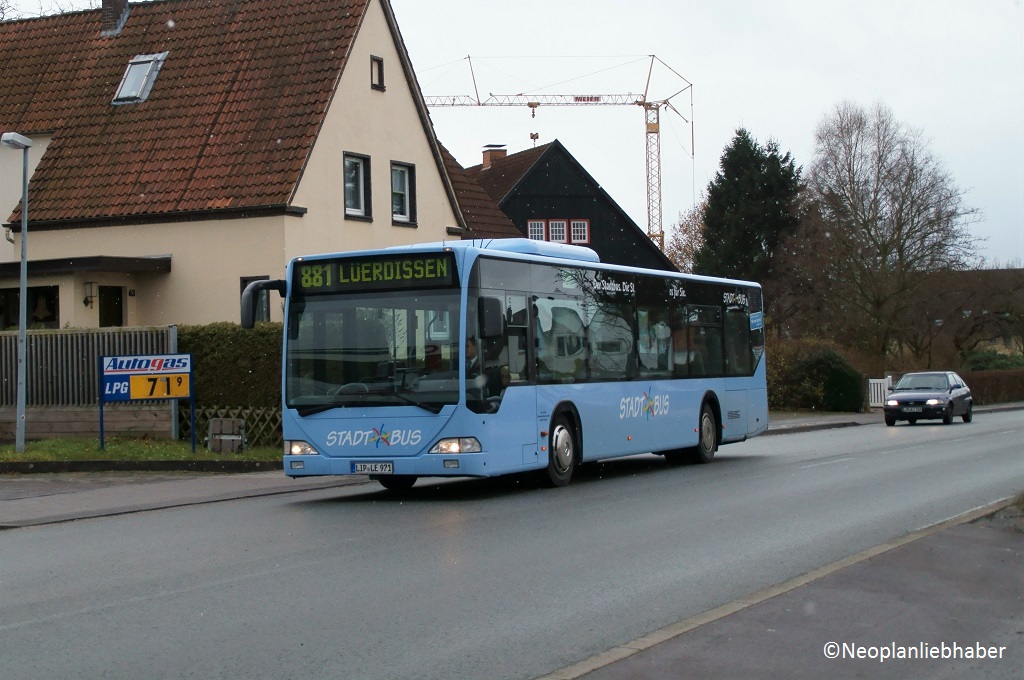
x: 144, y: 377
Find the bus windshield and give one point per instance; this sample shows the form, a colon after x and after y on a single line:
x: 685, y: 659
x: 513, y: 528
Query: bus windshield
x: 373, y: 349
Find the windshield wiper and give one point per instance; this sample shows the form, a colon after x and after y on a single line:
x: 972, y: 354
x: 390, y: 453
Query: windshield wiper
x: 316, y: 408
x: 433, y: 408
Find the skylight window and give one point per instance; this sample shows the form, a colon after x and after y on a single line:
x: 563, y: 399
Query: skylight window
x: 139, y: 78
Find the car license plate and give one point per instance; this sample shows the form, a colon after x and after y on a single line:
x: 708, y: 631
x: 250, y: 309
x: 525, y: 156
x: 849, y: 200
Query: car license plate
x: 911, y: 409
x: 373, y: 468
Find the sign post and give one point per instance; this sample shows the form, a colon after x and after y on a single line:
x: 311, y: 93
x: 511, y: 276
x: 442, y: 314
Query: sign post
x: 145, y: 377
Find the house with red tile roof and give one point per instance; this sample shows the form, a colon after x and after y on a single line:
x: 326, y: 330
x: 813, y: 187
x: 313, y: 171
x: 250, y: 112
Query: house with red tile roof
x: 183, y: 148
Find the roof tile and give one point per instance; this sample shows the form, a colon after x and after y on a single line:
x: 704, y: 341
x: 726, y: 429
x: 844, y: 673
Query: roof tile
x: 482, y: 217
x: 245, y: 84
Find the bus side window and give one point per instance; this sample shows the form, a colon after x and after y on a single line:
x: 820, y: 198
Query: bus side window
x: 541, y: 344
x: 611, y: 345
x: 712, y: 343
x: 704, y: 333
x: 569, y: 344
x: 654, y: 307
x: 655, y: 344
x: 687, y: 358
x: 561, y: 343
x: 516, y: 326
x: 698, y: 351
x: 738, y: 349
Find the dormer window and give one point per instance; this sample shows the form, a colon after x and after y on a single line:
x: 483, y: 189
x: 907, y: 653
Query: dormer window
x: 139, y: 78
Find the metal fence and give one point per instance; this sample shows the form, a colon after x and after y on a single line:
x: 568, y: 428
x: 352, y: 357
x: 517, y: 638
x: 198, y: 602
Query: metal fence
x: 62, y: 365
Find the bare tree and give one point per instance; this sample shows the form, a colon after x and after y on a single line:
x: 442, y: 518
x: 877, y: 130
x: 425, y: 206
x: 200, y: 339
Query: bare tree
x: 687, y: 236
x: 7, y: 10
x: 45, y: 8
x: 892, y: 221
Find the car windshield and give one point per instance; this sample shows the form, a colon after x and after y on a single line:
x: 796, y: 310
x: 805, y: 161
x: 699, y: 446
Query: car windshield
x: 922, y: 381
x: 373, y: 349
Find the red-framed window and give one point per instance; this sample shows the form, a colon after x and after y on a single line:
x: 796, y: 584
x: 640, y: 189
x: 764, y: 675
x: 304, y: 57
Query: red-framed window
x: 536, y: 230
x: 558, y: 231
x: 579, y: 231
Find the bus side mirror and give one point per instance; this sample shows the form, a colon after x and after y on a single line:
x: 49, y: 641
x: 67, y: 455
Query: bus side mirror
x: 251, y: 297
x: 492, y: 319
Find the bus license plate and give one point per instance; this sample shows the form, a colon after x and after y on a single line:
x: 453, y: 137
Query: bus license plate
x: 373, y: 468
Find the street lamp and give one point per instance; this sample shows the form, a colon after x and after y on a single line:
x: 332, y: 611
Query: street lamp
x: 23, y: 143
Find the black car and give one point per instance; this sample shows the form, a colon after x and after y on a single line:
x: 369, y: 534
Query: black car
x: 929, y: 396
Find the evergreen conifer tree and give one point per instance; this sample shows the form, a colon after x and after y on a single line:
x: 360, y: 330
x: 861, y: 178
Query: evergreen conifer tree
x: 752, y: 205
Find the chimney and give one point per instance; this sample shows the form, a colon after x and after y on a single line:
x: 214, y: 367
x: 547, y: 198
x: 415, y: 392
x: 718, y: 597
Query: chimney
x: 113, y: 17
x: 493, y: 152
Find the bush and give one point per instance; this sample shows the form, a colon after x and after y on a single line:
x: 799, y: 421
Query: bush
x: 989, y: 360
x: 995, y: 387
x: 812, y: 374
x: 234, y: 366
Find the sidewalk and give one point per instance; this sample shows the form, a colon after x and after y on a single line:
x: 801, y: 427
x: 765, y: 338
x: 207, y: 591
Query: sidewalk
x: 911, y: 608
x: 959, y: 583
x: 31, y: 500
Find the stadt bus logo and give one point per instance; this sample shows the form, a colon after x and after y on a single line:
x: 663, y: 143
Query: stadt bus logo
x: 648, y: 406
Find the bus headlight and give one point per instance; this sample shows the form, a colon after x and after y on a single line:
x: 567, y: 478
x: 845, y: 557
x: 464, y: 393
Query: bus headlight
x: 298, y: 448
x: 457, y: 445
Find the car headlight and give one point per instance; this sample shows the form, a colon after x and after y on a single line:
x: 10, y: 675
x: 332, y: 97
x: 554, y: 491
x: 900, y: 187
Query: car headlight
x: 892, y: 402
x: 457, y: 445
x: 299, y: 448
x: 934, y: 402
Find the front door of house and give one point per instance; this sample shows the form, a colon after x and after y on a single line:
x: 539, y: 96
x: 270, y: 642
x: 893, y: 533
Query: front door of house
x: 111, y: 306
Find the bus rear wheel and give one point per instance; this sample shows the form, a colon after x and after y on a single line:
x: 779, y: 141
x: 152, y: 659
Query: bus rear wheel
x: 707, y: 442
x: 397, y: 482
x: 561, y: 454
x: 707, y: 436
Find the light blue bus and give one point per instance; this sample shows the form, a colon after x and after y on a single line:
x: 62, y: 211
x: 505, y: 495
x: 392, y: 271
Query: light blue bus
x: 482, y: 358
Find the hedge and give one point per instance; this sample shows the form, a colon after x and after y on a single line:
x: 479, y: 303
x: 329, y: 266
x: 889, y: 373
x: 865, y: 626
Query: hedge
x: 995, y: 387
x: 812, y: 374
x: 234, y: 366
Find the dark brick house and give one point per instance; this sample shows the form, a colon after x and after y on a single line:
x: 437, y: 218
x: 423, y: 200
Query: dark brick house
x: 549, y: 196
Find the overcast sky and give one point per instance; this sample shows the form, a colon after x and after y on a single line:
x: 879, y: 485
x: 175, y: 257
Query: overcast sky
x: 954, y: 69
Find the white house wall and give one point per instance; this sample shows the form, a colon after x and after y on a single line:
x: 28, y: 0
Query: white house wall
x: 384, y: 126
x: 207, y: 261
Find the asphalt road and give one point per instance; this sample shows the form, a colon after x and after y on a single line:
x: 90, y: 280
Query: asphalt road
x: 474, y: 578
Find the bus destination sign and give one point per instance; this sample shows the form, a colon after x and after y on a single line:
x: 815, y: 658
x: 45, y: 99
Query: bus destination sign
x: 381, y: 272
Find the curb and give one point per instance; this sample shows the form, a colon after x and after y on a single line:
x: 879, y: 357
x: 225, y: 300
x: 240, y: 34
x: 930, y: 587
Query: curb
x: 796, y: 429
x: 278, y: 488
x: 49, y: 466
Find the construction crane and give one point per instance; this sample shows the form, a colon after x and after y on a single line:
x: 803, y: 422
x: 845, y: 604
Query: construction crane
x: 652, y: 120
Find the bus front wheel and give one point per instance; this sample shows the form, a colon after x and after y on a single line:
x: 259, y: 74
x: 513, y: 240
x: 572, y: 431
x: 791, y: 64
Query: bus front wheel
x: 561, y: 453
x: 397, y: 482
